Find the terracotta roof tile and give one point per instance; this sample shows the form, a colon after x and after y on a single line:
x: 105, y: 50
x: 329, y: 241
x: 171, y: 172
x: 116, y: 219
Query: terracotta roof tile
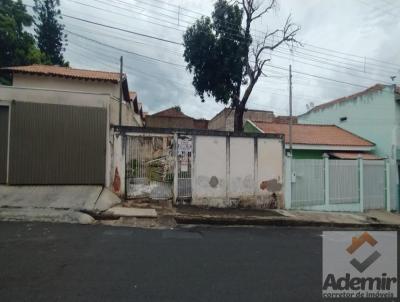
x: 354, y: 155
x: 66, y: 72
x: 315, y: 134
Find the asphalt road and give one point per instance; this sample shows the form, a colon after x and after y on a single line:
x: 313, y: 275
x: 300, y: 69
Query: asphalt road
x: 60, y: 262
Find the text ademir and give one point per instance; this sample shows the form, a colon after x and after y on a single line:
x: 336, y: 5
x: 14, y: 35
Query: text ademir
x: 359, y: 283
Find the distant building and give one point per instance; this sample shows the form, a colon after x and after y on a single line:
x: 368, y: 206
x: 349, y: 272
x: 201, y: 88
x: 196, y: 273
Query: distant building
x: 224, y: 120
x: 174, y: 118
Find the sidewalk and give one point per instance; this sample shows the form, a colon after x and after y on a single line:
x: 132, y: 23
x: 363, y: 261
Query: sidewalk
x: 67, y: 204
x: 191, y: 215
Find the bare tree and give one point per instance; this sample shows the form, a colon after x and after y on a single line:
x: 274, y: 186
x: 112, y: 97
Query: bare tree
x: 256, y: 58
x: 251, y: 64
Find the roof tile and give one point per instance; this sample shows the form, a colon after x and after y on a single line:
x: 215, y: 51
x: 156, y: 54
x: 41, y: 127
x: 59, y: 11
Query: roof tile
x: 307, y: 134
x: 66, y: 72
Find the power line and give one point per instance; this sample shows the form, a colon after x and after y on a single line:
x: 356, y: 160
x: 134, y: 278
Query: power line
x: 263, y: 33
x: 118, y: 28
x: 124, y: 50
x: 171, y: 63
x: 177, y: 43
x: 319, y: 77
x: 121, y: 29
x: 325, y: 59
x: 128, y: 16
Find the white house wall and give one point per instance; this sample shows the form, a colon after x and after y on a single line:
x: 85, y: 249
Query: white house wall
x: 270, y: 170
x: 210, y: 170
x: 61, y: 83
x: 241, y: 181
x: 230, y: 172
x: 50, y: 96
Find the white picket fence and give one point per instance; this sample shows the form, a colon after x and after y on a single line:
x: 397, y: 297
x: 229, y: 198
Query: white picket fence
x: 337, y: 185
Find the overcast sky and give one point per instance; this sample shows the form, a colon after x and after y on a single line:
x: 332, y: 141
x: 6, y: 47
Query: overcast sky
x: 353, y: 41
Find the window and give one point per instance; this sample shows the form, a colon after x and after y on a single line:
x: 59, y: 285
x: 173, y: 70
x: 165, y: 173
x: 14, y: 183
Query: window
x: 343, y: 118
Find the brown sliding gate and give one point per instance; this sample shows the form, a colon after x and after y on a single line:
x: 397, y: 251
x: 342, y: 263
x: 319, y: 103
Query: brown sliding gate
x: 57, y: 144
x: 3, y: 143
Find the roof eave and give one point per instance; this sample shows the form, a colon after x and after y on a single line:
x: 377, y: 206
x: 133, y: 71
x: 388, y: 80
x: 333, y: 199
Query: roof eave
x: 329, y: 147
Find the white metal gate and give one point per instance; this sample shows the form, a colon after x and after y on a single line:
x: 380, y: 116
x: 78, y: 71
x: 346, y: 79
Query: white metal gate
x: 149, y: 166
x: 184, y: 159
x: 308, y: 182
x: 336, y: 184
x: 374, y: 184
x: 343, y: 181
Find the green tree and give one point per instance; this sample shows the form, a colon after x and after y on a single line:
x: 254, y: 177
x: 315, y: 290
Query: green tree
x: 17, y: 47
x: 225, y: 61
x: 50, y: 31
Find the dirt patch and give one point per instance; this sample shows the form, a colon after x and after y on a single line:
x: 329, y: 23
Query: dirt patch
x: 219, y: 212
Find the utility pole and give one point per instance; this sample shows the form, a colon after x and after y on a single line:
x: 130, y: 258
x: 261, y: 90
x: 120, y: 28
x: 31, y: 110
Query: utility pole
x: 290, y: 109
x: 120, y: 91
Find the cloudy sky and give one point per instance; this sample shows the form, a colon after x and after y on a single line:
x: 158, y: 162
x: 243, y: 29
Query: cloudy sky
x: 346, y: 47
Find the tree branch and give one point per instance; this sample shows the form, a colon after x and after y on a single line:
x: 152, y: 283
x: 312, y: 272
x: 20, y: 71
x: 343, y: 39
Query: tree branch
x: 269, y: 7
x: 289, y: 32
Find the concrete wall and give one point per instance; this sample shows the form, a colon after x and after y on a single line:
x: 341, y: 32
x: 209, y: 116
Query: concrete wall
x: 62, y: 97
x: 59, y: 83
x: 219, y: 121
x: 237, y: 172
x: 117, y: 164
x: 374, y: 116
x: 128, y: 116
x: 81, y: 87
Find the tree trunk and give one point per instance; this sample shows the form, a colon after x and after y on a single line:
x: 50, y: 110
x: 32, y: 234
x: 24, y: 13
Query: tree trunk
x: 238, y: 121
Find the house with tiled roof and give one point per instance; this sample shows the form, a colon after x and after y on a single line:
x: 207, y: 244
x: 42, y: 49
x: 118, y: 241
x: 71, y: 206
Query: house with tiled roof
x: 84, y: 80
x: 58, y: 124
x: 373, y: 114
x: 312, y: 141
x: 174, y: 118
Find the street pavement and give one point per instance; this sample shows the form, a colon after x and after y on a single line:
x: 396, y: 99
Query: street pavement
x: 70, y: 262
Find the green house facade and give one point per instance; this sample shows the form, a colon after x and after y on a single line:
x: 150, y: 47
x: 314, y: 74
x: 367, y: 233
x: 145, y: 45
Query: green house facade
x: 373, y: 114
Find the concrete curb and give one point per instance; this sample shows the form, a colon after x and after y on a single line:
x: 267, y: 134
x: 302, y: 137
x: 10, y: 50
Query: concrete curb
x: 281, y: 221
x: 45, y: 215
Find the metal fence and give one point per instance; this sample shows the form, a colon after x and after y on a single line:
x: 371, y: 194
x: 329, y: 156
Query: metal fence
x: 335, y: 184
x: 184, y: 160
x: 308, y: 182
x: 149, y: 166
x: 343, y: 181
x: 374, y: 184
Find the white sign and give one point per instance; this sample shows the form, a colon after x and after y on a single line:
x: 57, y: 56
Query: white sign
x: 184, y: 145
